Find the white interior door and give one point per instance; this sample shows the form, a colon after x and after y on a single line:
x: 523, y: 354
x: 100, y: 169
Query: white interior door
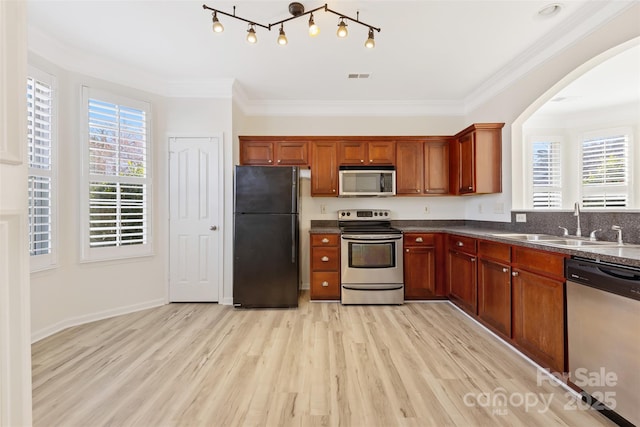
x: 195, y: 237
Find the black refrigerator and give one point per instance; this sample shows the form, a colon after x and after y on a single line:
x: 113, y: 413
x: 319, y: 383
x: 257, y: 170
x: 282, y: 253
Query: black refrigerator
x: 266, y: 264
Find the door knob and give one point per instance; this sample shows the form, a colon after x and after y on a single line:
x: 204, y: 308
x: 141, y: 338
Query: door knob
x: 213, y: 228
x: 514, y: 274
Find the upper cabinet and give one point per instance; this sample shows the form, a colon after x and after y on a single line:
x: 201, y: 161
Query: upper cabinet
x: 361, y: 152
x: 467, y: 163
x: 476, y: 160
x: 324, y: 168
x: 422, y: 166
x: 268, y: 151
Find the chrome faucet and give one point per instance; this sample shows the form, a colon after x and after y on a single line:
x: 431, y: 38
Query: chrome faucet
x: 576, y: 213
x: 618, y: 229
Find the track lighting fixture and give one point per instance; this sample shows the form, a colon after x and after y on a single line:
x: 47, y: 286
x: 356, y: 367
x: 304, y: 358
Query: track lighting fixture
x: 370, y: 43
x: 217, y: 26
x: 297, y: 10
x: 282, y: 38
x: 314, y: 30
x: 342, y: 29
x: 251, y: 35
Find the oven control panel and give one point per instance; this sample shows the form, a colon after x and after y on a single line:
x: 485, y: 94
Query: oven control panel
x: 364, y: 214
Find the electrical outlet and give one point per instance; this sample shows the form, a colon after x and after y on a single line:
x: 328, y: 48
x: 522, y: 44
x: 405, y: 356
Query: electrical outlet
x: 521, y: 217
x: 426, y: 209
x: 323, y: 209
x: 480, y: 208
x: 498, y: 208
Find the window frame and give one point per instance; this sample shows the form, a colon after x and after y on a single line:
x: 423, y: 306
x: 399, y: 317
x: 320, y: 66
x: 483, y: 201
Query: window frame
x: 605, y: 133
x: 530, y: 187
x: 87, y: 252
x: 49, y: 260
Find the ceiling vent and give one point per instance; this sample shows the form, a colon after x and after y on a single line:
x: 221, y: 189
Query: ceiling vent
x: 359, y: 75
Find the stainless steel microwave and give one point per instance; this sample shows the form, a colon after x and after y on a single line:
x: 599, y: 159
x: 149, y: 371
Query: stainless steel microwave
x: 374, y: 181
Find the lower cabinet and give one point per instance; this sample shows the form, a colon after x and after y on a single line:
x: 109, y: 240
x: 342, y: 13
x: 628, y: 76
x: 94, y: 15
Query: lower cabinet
x: 494, y: 286
x: 325, y: 267
x: 422, y: 269
x: 539, y: 310
x: 461, y: 273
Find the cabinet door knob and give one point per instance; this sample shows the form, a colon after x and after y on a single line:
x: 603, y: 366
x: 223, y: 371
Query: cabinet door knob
x: 325, y: 240
x: 459, y: 244
x: 419, y: 239
x: 505, y: 270
x: 270, y: 160
x: 514, y: 274
x: 473, y: 260
x: 370, y: 160
x: 333, y: 190
x: 324, y: 259
x: 406, y: 250
x: 325, y: 283
x: 469, y: 188
x: 279, y: 161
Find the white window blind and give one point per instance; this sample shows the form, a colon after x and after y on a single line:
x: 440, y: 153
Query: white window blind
x: 547, y: 182
x: 118, y: 176
x: 605, y: 172
x: 40, y: 181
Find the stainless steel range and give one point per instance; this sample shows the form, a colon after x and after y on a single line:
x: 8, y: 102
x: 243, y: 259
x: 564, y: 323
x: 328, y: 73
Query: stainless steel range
x: 371, y: 258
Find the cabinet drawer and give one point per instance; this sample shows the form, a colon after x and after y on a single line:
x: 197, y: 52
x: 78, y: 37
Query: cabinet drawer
x: 463, y: 244
x: 325, y: 259
x: 324, y: 239
x: 419, y: 239
x: 325, y: 285
x: 543, y: 262
x: 494, y: 250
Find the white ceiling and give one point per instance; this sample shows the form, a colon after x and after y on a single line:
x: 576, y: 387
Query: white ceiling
x: 444, y: 53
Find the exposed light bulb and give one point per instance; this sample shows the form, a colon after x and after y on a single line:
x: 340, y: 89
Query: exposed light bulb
x: 217, y: 26
x: 251, y: 35
x: 314, y: 30
x: 370, y: 43
x: 342, y: 29
x: 282, y: 38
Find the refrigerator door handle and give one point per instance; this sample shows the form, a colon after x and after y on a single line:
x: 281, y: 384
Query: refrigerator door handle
x: 294, y: 190
x: 293, y: 239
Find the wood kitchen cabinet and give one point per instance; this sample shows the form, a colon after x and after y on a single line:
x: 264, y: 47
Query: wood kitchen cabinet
x: 462, y: 272
x: 270, y: 151
x: 360, y: 152
x: 538, y: 288
x: 422, y: 266
x: 422, y: 167
x: 325, y: 267
x: 324, y: 168
x: 494, y: 286
x: 476, y: 160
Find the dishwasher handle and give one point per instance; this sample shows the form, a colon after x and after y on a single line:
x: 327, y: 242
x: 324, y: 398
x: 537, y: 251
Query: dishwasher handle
x: 621, y: 274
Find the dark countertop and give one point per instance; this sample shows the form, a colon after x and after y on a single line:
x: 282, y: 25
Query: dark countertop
x: 626, y: 255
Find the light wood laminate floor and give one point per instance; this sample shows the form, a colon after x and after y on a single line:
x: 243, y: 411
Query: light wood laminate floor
x: 322, y: 364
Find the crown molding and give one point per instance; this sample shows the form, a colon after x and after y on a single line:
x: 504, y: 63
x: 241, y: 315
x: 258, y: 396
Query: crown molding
x: 586, y: 20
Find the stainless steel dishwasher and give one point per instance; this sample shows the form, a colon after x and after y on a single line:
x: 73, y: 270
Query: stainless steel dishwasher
x: 603, y: 331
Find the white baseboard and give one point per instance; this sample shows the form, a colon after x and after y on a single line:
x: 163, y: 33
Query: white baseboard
x: 305, y: 286
x: 226, y: 301
x: 92, y: 317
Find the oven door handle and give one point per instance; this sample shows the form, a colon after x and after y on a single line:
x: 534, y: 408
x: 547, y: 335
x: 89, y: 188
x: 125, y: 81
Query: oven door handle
x: 370, y: 237
x: 365, y: 288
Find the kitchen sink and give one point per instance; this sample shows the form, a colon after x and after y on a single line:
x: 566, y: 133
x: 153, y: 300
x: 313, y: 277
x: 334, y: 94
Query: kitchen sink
x: 580, y: 243
x: 562, y: 241
x: 527, y: 236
